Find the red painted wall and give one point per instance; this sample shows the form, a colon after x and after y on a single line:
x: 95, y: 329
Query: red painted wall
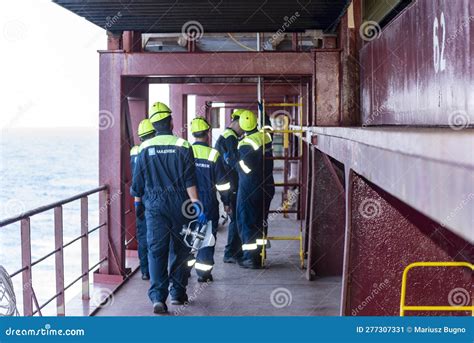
x: 386, y: 236
x: 419, y: 70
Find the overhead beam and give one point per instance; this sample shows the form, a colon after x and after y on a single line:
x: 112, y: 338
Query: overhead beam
x: 209, y: 64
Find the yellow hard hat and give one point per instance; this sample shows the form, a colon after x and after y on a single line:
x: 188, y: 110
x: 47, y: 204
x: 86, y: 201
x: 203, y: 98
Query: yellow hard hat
x: 199, y: 124
x: 236, y: 113
x: 158, y: 111
x: 145, y: 128
x: 247, y: 120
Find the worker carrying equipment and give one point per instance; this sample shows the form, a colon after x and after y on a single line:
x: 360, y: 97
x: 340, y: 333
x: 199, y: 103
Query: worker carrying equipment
x: 211, y: 176
x: 227, y: 146
x: 145, y: 132
x: 255, y: 175
x: 164, y: 178
x: 198, y: 236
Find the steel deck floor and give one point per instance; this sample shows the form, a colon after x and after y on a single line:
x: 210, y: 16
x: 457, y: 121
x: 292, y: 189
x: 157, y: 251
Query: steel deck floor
x: 242, y: 292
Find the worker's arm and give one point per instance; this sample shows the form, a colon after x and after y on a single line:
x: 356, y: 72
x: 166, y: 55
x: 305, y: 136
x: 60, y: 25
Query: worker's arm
x: 232, y: 155
x: 189, y: 174
x: 246, y: 163
x: 138, y: 178
x: 193, y: 193
x: 222, y: 180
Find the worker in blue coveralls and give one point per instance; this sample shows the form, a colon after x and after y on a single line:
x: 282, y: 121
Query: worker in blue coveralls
x: 211, y: 175
x: 164, y: 178
x: 255, y: 175
x: 145, y: 132
x: 227, y: 146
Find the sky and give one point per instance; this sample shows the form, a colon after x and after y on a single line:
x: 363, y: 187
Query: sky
x: 49, y: 70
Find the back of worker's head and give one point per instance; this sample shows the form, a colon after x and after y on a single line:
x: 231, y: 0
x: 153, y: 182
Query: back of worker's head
x: 248, y: 121
x: 145, y: 130
x: 160, y: 117
x: 200, y: 128
x: 234, y: 124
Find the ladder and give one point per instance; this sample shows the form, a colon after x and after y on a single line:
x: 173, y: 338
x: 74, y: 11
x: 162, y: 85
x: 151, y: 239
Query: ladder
x: 289, y: 156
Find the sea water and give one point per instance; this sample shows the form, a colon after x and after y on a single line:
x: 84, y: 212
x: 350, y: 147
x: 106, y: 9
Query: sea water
x: 39, y: 167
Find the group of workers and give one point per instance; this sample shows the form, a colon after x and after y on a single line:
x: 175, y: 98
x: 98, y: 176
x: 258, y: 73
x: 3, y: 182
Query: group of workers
x: 170, y: 176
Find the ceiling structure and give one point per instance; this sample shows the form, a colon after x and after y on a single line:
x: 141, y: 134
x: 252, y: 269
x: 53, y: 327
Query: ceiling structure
x: 212, y: 16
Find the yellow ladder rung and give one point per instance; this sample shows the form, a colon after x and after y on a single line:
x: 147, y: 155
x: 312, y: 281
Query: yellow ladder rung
x: 283, y: 238
x: 284, y: 104
x: 438, y: 308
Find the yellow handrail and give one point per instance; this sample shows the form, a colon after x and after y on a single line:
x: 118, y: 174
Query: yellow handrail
x: 404, y: 308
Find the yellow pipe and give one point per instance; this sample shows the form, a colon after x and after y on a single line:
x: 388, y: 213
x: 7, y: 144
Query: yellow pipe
x: 283, y: 238
x: 439, y: 308
x: 403, y: 307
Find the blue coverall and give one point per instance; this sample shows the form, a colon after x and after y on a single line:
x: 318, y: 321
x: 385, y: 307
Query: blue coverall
x: 211, y: 175
x: 227, y: 146
x: 163, y: 171
x: 140, y: 221
x: 255, y: 185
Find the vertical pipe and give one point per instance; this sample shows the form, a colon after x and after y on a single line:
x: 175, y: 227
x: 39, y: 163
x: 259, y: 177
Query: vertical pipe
x: 59, y: 259
x: 85, y: 248
x: 345, y: 290
x: 26, y: 262
x: 259, y: 86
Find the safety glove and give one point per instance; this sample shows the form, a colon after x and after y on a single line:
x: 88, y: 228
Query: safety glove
x: 199, y: 210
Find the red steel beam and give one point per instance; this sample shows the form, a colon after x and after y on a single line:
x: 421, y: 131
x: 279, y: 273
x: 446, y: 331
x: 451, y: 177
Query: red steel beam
x: 213, y: 64
x: 112, y: 143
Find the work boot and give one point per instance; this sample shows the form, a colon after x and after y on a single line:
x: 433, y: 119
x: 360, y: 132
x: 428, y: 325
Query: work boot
x: 179, y: 300
x: 145, y: 277
x: 230, y: 259
x: 207, y: 278
x: 249, y: 264
x: 160, y: 308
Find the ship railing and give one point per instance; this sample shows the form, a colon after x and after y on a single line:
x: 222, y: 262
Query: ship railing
x: 29, y: 296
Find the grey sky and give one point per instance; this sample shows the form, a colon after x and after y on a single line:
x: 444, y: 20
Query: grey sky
x: 49, y: 66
